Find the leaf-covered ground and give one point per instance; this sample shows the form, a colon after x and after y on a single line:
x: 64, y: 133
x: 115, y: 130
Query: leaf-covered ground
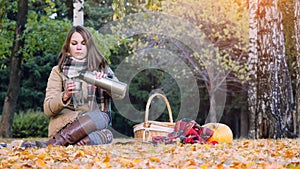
x: 129, y: 153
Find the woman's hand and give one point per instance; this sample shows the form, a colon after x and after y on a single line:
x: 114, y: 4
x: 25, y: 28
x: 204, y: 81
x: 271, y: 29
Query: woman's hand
x: 70, y: 86
x: 100, y: 75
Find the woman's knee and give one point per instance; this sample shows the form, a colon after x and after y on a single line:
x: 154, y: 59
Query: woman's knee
x: 100, y: 119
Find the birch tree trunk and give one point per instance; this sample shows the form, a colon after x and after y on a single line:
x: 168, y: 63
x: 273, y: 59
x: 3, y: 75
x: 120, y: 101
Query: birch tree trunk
x: 270, y: 98
x: 78, y: 18
x: 296, y: 117
x: 253, y: 57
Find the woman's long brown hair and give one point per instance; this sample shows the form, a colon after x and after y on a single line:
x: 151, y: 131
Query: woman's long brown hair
x: 95, y: 61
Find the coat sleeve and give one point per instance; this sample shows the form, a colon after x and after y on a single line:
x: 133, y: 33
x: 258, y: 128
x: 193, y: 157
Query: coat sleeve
x: 53, y: 103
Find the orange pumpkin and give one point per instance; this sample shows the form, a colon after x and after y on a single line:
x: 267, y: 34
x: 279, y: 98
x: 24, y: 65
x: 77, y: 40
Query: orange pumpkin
x: 222, y: 133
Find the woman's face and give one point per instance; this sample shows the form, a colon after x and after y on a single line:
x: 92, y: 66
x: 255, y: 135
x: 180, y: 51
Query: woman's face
x: 78, y: 46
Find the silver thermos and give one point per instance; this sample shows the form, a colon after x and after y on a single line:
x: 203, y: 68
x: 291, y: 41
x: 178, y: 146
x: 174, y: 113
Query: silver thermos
x: 113, y: 86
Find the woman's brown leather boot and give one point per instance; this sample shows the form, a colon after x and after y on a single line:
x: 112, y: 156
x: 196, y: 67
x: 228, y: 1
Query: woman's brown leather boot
x: 85, y: 141
x: 72, y: 133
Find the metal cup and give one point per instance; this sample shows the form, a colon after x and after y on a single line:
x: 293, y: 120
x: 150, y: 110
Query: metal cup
x: 78, y: 99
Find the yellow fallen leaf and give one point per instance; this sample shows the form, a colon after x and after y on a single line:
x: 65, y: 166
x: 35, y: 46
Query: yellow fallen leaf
x: 204, y: 167
x: 106, y: 159
x: 89, y: 153
x: 220, y: 166
x: 193, y: 148
x: 124, y: 162
x: 207, y: 146
x: 191, y: 162
x: 137, y: 160
x: 79, y: 154
x: 154, y: 159
x: 41, y: 156
x: 40, y: 163
x: 16, y: 165
x: 96, y: 159
x: 25, y: 152
x: 107, y: 165
x: 31, y: 156
x: 5, y: 164
x: 249, y: 164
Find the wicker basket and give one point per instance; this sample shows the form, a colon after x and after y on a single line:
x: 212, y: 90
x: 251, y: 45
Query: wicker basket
x: 144, y: 131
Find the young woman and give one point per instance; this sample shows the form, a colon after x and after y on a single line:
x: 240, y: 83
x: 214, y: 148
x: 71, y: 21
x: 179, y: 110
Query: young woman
x: 73, y: 123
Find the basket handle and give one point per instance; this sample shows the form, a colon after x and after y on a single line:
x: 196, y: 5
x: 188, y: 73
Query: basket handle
x: 166, y: 101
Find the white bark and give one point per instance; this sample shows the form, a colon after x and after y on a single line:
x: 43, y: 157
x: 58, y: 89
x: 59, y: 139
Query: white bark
x: 253, y: 57
x: 78, y: 12
x: 275, y: 97
x: 270, y: 93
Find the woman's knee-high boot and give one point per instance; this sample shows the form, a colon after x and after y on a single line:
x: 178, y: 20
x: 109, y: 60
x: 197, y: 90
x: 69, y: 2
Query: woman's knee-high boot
x: 79, y: 129
x: 72, y: 133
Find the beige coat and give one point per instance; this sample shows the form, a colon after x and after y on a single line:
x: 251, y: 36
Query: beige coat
x: 60, y: 113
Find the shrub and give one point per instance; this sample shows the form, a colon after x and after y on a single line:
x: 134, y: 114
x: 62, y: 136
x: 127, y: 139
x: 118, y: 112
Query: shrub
x: 30, y: 124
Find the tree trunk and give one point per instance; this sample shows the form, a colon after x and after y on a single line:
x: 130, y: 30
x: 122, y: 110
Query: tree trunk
x: 70, y: 13
x: 296, y: 117
x: 212, y: 115
x: 217, y: 93
x: 78, y: 12
x: 274, y: 91
x: 244, y: 124
x: 253, y: 57
x: 15, y: 72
